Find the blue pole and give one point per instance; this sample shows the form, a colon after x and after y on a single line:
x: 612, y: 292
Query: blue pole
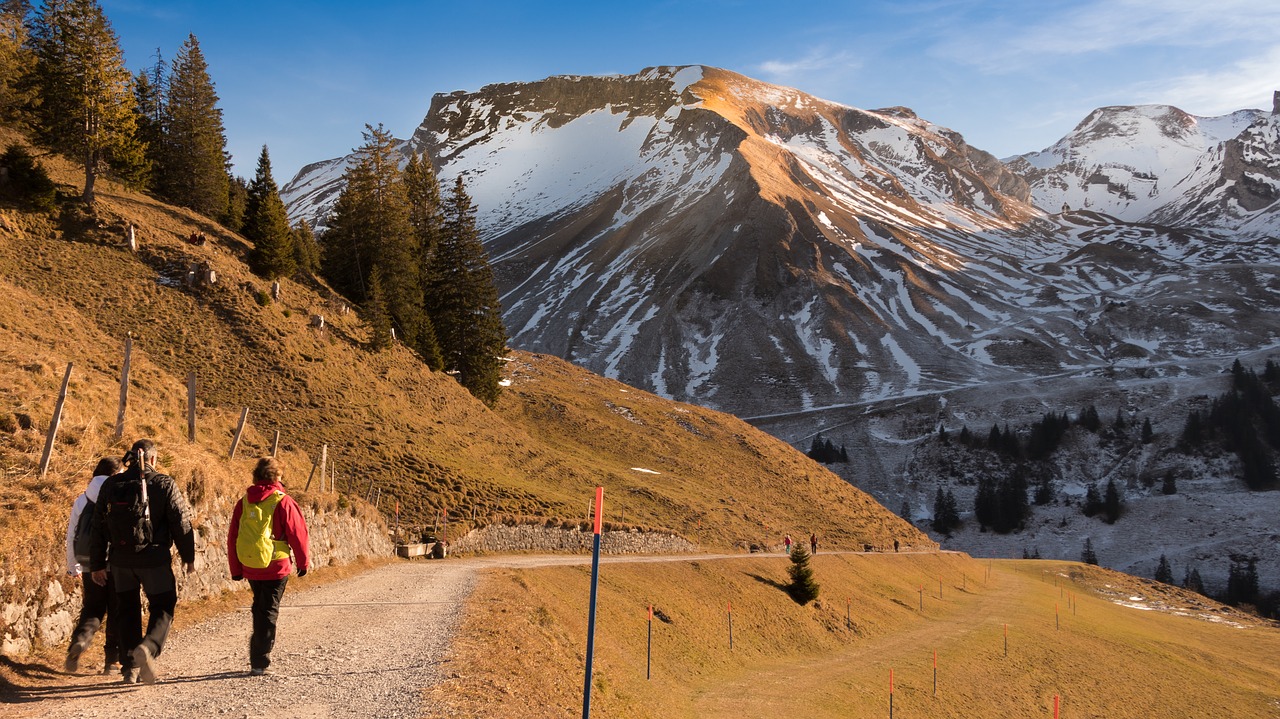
x: 591, y: 617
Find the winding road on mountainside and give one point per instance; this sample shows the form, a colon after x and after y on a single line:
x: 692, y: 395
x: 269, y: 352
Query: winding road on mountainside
x: 364, y: 646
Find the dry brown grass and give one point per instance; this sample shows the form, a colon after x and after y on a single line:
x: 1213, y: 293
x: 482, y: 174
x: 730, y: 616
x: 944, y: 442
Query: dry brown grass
x: 521, y: 649
x: 70, y: 292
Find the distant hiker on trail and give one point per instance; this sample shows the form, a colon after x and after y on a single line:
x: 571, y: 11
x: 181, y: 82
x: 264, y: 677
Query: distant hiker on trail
x: 813, y: 544
x: 895, y: 545
x: 139, y: 516
x: 786, y: 541
x: 265, y: 525
x: 99, y: 602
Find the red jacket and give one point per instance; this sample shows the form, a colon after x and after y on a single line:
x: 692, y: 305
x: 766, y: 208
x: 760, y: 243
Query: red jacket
x: 287, y: 526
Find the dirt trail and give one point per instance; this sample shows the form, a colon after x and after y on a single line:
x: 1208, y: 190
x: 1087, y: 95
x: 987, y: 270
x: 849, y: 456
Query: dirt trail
x: 365, y: 646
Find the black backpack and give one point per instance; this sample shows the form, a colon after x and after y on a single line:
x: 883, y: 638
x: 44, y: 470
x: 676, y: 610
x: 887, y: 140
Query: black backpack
x: 80, y: 543
x: 128, y: 512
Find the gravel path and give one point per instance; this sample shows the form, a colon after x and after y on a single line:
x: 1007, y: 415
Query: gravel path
x: 363, y: 647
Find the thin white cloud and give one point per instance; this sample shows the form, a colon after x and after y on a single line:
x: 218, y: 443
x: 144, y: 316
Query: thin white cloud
x: 1247, y: 83
x: 816, y: 63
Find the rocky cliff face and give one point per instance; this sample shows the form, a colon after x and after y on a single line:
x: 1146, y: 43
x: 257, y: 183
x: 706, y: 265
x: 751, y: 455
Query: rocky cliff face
x: 756, y: 249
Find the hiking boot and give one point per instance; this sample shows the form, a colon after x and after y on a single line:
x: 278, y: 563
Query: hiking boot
x: 259, y: 671
x: 145, y: 663
x: 73, y: 655
x: 110, y: 668
x: 129, y: 676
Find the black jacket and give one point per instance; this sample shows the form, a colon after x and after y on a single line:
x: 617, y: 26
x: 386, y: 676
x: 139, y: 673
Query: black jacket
x: 170, y: 525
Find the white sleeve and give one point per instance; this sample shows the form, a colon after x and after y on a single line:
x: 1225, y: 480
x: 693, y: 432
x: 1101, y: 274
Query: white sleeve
x: 73, y: 567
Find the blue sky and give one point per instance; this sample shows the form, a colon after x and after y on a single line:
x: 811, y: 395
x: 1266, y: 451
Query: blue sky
x: 304, y: 78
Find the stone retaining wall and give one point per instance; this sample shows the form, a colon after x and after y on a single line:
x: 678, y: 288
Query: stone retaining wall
x: 48, y: 618
x: 506, y: 539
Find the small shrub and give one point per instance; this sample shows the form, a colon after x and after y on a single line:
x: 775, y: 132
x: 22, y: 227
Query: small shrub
x: 263, y: 298
x: 28, y: 184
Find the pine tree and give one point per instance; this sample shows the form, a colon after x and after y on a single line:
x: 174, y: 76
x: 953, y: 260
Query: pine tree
x: 28, y: 185
x: 306, y: 251
x: 1112, y: 507
x: 16, y: 61
x: 1087, y: 555
x: 266, y: 225
x: 803, y: 587
x: 369, y: 229
x: 905, y: 512
x: 86, y: 103
x: 1089, y: 419
x: 462, y: 301
x: 1191, y: 580
x: 150, y: 87
x: 1164, y: 572
x: 376, y: 313
x: 426, y: 216
x: 1170, y: 484
x: 237, y: 203
x: 1148, y: 433
x: 1092, y: 501
x: 193, y: 168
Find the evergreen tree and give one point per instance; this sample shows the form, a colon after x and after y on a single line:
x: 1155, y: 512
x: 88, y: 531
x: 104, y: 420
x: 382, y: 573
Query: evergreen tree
x: 426, y: 216
x: 986, y: 503
x: 193, y: 167
x: 86, y: 105
x: 966, y: 438
x: 1089, y: 419
x: 1087, y: 555
x: 1169, y: 485
x: 266, y: 225
x: 237, y: 203
x: 1147, y: 432
x: 1044, y: 489
x: 1112, y: 507
x: 905, y: 512
x: 844, y: 454
x: 946, y: 515
x: 150, y: 87
x: 1242, y: 581
x: 462, y: 300
x: 376, y: 313
x: 306, y: 251
x: 1164, y: 572
x: 803, y: 587
x: 16, y: 61
x: 370, y: 229
x: 28, y: 184
x: 1092, y: 500
x: 1191, y: 580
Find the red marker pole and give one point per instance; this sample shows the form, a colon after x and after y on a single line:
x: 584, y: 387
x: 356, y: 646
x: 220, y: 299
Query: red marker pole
x: 935, y: 672
x: 648, y: 654
x: 1055, y: 706
x: 922, y: 597
x: 1006, y: 640
x: 1057, y: 623
x: 890, y: 694
x: 939, y: 587
x: 848, y: 613
x: 591, y: 616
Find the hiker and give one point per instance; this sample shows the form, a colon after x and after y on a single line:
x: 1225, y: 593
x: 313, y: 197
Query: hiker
x: 786, y: 542
x: 813, y: 544
x: 99, y: 603
x: 265, y: 525
x: 139, y: 516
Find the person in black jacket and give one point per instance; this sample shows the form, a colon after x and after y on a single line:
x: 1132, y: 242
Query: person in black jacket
x: 139, y: 516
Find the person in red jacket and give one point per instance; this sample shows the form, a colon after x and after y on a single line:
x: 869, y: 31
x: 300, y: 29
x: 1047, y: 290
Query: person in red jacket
x: 265, y: 526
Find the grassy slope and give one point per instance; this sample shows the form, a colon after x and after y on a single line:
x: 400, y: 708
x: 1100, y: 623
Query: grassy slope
x: 70, y: 292
x: 1106, y: 660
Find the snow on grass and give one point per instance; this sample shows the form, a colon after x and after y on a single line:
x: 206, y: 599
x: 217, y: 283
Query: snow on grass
x: 905, y: 363
x: 644, y: 471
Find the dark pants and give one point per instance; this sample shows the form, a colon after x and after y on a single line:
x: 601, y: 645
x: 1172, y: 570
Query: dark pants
x: 99, y: 603
x: 162, y: 596
x: 266, y: 609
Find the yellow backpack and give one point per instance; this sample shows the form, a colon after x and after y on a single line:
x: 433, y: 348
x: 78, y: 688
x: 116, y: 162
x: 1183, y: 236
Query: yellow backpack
x: 255, y: 546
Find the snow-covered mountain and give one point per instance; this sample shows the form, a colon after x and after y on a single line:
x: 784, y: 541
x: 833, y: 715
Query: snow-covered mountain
x: 753, y: 248
x: 814, y: 266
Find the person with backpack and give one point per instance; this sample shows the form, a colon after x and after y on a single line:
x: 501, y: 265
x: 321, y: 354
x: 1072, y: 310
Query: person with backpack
x: 98, y: 603
x: 265, y: 525
x: 139, y: 516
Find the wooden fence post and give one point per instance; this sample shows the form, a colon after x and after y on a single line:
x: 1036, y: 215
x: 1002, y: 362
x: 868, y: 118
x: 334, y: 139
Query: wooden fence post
x: 275, y: 444
x: 310, y: 476
x: 324, y: 464
x: 235, y: 443
x: 53, y: 426
x: 124, y: 385
x: 191, y: 407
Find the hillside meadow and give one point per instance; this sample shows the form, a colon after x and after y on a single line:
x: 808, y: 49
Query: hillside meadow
x: 1119, y: 646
